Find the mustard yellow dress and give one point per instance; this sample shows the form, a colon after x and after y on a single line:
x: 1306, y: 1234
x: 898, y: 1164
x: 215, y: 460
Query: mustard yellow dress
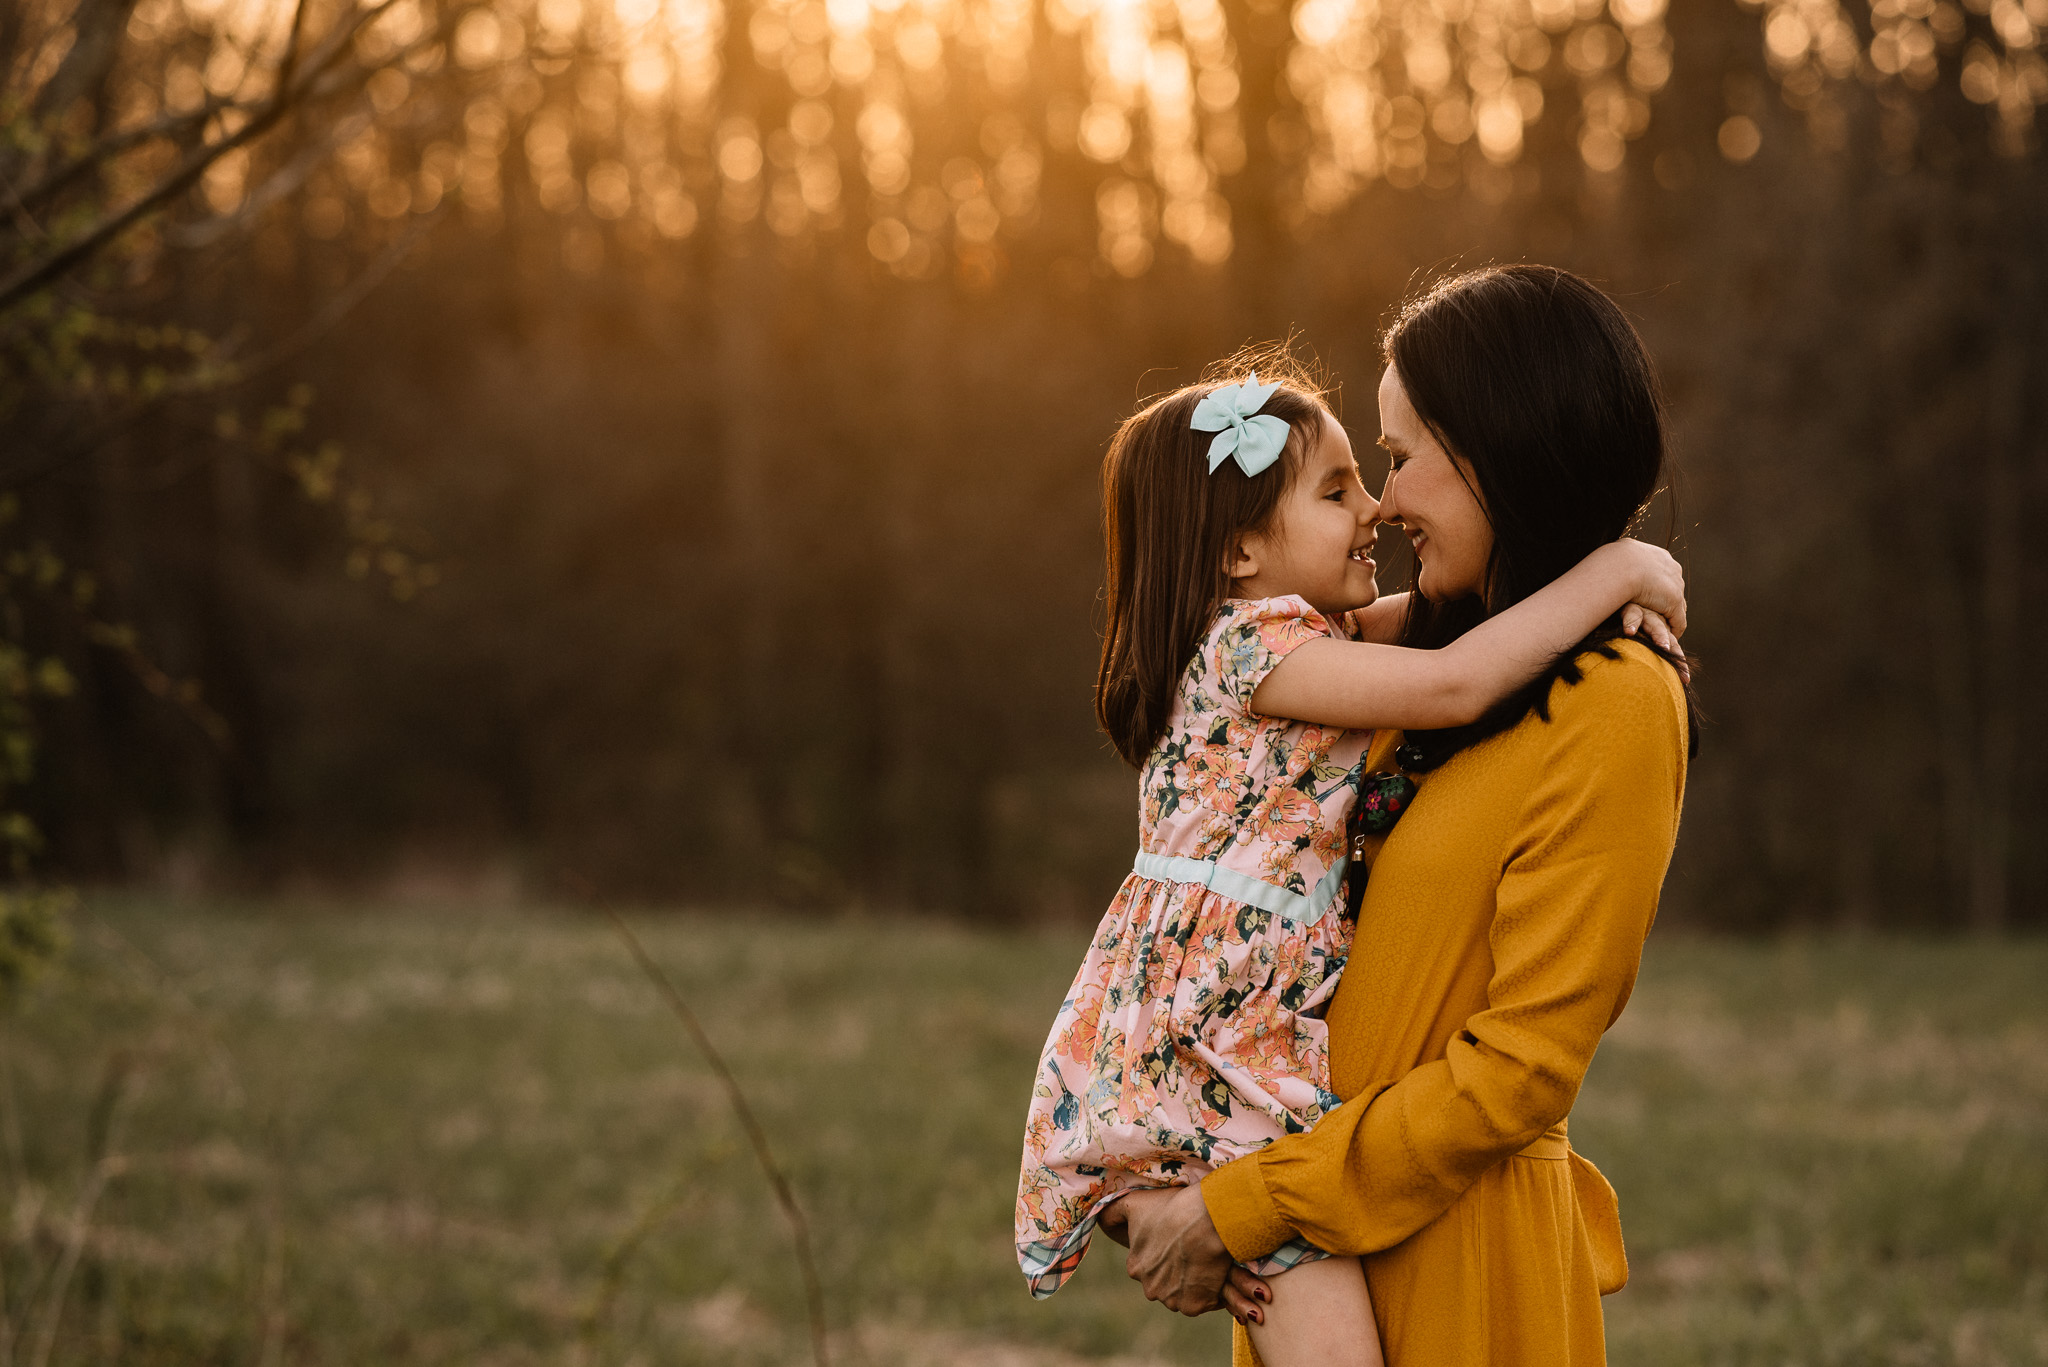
x: 1499, y: 937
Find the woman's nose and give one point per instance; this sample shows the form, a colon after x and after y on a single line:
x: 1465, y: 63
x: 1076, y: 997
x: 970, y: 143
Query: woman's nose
x: 1389, y: 510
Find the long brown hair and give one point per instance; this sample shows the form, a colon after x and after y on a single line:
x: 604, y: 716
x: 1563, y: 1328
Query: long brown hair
x: 1539, y: 384
x: 1170, y: 526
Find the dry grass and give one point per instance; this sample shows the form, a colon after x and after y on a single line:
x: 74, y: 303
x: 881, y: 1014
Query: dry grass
x: 345, y: 1136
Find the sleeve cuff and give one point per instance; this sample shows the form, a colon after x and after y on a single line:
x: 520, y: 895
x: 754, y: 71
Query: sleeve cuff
x: 1243, y: 1210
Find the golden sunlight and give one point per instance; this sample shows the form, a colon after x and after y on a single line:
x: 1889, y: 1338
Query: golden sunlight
x: 924, y: 127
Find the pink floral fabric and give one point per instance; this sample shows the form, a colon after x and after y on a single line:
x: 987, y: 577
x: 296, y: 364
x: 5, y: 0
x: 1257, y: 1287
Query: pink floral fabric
x: 1193, y: 1031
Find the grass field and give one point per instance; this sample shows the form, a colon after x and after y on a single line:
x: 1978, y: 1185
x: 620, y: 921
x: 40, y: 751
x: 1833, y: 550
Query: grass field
x: 342, y: 1136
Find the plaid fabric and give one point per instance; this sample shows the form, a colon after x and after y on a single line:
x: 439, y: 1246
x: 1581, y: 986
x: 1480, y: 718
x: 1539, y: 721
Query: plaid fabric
x: 1293, y: 1253
x: 1047, y: 1266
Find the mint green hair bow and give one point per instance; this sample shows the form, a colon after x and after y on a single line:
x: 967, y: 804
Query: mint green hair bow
x: 1232, y: 413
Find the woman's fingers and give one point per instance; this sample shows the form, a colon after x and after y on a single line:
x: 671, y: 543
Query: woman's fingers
x: 1631, y: 618
x: 1245, y: 1296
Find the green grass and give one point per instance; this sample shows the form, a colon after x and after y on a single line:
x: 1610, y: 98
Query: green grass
x: 351, y: 1136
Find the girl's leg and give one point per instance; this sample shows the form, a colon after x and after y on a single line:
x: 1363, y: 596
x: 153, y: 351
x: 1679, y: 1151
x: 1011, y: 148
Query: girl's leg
x: 1320, y: 1316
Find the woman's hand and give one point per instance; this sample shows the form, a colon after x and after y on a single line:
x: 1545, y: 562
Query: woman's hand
x: 1179, y: 1259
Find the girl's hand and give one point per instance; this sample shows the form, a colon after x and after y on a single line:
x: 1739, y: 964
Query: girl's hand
x: 1657, y: 580
x: 1635, y: 618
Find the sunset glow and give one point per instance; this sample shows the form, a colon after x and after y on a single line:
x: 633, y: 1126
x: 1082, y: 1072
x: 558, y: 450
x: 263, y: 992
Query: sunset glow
x: 924, y: 126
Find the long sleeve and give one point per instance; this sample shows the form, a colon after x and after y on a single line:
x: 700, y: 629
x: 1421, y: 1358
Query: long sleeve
x: 1593, y: 804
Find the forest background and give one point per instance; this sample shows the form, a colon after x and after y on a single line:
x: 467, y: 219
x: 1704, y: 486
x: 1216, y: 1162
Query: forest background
x: 651, y: 446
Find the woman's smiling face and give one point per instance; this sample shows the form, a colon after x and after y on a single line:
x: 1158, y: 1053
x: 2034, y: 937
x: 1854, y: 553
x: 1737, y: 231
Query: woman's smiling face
x: 1432, y: 500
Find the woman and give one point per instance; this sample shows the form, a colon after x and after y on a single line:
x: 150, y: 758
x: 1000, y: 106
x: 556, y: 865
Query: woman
x: 1503, y: 921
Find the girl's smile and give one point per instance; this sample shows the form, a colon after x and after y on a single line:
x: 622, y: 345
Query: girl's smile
x: 1319, y: 544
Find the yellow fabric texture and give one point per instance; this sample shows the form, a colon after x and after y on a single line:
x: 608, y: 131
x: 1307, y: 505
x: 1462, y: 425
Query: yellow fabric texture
x: 1499, y: 937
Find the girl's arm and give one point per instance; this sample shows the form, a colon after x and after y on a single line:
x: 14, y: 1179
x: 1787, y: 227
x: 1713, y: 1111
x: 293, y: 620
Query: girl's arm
x: 1380, y: 621
x: 1365, y: 686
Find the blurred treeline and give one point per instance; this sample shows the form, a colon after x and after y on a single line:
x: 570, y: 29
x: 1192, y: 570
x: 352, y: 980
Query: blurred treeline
x: 653, y: 447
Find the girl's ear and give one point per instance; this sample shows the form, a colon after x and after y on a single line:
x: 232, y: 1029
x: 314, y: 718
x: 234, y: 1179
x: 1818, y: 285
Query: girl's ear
x: 1241, y: 561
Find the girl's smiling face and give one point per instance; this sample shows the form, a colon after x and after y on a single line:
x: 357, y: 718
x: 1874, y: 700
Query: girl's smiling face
x: 1319, y: 544
x: 1433, y: 501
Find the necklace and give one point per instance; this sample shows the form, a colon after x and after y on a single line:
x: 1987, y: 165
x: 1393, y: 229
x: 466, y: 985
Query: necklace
x: 1383, y: 796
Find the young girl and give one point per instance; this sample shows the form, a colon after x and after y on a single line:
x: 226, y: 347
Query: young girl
x: 1239, y: 675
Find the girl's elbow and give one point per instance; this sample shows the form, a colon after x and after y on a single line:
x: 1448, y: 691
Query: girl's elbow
x: 1462, y: 703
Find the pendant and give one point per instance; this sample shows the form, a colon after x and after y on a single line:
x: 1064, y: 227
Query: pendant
x: 1381, y: 800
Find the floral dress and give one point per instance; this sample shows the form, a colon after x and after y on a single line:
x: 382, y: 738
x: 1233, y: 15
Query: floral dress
x: 1193, y: 1032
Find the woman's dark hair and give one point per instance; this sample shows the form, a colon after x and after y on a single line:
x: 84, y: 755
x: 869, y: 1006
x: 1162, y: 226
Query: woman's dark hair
x: 1539, y: 386
x: 1169, y: 526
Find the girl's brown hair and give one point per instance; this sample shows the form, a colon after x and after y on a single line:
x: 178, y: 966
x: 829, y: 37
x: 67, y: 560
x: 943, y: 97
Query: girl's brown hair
x: 1170, y: 527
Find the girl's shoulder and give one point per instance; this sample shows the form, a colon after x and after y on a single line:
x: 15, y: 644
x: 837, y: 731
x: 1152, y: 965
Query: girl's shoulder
x: 1248, y: 639
x: 1289, y: 615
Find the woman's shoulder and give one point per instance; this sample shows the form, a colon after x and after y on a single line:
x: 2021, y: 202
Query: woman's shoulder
x: 1624, y: 699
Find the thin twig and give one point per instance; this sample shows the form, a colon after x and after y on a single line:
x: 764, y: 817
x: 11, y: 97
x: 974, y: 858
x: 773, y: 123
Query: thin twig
x: 784, y: 1196
x: 74, y: 1247
x: 596, y: 1318
x: 101, y: 1128
x: 342, y: 304
x: 289, y: 94
x: 270, y: 1312
x: 35, y: 465
x: 113, y: 144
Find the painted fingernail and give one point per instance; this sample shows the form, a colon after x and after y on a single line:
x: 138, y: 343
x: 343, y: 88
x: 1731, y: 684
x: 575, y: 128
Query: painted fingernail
x: 1263, y: 1294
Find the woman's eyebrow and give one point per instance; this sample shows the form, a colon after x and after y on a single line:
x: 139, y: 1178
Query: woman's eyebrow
x: 1391, y: 446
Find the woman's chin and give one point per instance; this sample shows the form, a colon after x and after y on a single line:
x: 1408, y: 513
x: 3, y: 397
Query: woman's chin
x: 1427, y: 584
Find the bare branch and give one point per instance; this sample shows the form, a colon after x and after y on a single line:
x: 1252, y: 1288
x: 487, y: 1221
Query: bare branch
x: 281, y: 182
x: 288, y: 95
x: 31, y: 467
x: 112, y: 145
x: 98, y: 26
x: 291, y: 45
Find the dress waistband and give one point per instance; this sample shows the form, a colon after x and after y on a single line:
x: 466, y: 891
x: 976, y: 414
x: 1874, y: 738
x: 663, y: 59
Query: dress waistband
x: 1289, y: 906
x: 1551, y: 1144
